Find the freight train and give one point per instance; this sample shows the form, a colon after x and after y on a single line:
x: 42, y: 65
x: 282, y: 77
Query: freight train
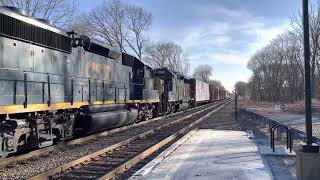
x: 57, y: 85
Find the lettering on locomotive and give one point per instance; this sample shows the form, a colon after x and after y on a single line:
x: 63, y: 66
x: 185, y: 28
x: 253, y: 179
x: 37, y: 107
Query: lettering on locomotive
x: 95, y: 70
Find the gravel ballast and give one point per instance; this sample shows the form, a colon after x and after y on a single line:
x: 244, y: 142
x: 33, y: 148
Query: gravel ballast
x: 38, y: 165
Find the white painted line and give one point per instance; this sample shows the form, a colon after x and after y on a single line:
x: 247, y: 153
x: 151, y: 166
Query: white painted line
x: 151, y: 165
x: 280, y: 150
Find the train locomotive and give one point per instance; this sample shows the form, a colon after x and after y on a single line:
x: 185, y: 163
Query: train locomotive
x: 57, y: 85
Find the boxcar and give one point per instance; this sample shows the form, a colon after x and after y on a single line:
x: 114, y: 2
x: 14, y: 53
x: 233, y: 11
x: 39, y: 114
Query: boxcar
x: 199, y: 93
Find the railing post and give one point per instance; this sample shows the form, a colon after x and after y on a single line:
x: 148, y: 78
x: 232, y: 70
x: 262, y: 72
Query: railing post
x: 270, y: 124
x: 290, y: 140
x: 96, y: 89
x: 49, y: 91
x: 15, y: 92
x: 25, y: 103
x: 115, y: 93
x: 43, y: 92
x: 103, y: 91
x: 89, y: 99
x: 72, y: 89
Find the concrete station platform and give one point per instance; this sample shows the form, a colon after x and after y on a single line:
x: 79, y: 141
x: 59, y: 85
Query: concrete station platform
x: 208, y: 154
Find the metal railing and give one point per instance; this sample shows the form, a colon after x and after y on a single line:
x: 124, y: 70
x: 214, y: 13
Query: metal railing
x: 273, y: 126
x: 288, y: 136
x: 88, y: 82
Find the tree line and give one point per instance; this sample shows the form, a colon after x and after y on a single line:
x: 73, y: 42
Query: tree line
x: 114, y: 22
x: 204, y: 73
x: 278, y: 68
x: 118, y: 24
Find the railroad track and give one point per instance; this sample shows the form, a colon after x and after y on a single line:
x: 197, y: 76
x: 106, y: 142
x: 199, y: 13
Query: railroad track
x: 42, y: 152
x: 36, y: 162
x: 224, y: 119
x: 111, y: 161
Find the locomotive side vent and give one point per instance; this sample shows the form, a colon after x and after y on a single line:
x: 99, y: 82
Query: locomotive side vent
x: 21, y: 30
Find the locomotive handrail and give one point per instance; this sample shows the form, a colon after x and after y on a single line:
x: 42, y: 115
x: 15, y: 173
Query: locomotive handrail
x: 25, y: 103
x: 49, y: 92
x: 77, y: 77
x: 118, y: 82
x: 114, y: 84
x: 72, y: 88
x: 89, y: 99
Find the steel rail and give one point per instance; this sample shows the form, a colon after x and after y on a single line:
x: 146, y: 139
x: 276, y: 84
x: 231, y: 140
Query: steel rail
x: 47, y: 150
x: 88, y: 158
x: 130, y: 163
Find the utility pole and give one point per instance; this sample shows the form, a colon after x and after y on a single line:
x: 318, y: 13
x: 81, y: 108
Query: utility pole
x: 236, y: 103
x: 308, y: 147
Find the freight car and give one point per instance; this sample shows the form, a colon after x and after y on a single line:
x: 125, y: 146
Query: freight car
x: 199, y: 92
x: 56, y: 85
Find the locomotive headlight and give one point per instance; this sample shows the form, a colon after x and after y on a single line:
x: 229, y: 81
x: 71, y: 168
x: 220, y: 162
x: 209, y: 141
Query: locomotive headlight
x: 10, y: 142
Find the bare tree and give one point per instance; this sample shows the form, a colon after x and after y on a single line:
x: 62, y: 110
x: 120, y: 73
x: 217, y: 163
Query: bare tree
x: 106, y: 22
x: 60, y: 12
x: 118, y: 24
x: 203, y: 72
x: 185, y: 65
x: 216, y: 83
x: 277, y: 70
x: 82, y: 26
x: 240, y: 86
x: 137, y: 21
x: 169, y: 55
x: 314, y: 21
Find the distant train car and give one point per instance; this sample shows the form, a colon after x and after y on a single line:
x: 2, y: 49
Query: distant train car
x: 56, y: 85
x: 213, y: 93
x: 199, y: 93
x: 176, y: 93
x: 217, y: 93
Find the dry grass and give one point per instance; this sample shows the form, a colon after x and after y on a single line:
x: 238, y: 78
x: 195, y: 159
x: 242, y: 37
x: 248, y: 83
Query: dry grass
x: 269, y: 107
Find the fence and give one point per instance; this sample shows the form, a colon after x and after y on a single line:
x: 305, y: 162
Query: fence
x: 273, y: 125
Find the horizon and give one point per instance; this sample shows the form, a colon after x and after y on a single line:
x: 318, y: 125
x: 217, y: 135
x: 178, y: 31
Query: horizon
x: 223, y: 34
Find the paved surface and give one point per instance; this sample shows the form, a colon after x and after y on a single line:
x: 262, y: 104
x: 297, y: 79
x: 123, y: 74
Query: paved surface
x: 212, y: 154
x: 282, y: 166
x: 280, y: 150
x: 289, y: 118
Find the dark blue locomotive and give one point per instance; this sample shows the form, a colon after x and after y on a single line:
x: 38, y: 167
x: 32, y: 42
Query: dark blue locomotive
x: 55, y: 85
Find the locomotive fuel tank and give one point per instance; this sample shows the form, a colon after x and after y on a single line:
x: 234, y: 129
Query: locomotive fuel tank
x: 183, y: 106
x: 96, y: 118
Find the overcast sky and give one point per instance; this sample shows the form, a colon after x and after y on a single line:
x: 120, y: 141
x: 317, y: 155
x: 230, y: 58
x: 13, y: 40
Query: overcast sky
x: 221, y: 33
